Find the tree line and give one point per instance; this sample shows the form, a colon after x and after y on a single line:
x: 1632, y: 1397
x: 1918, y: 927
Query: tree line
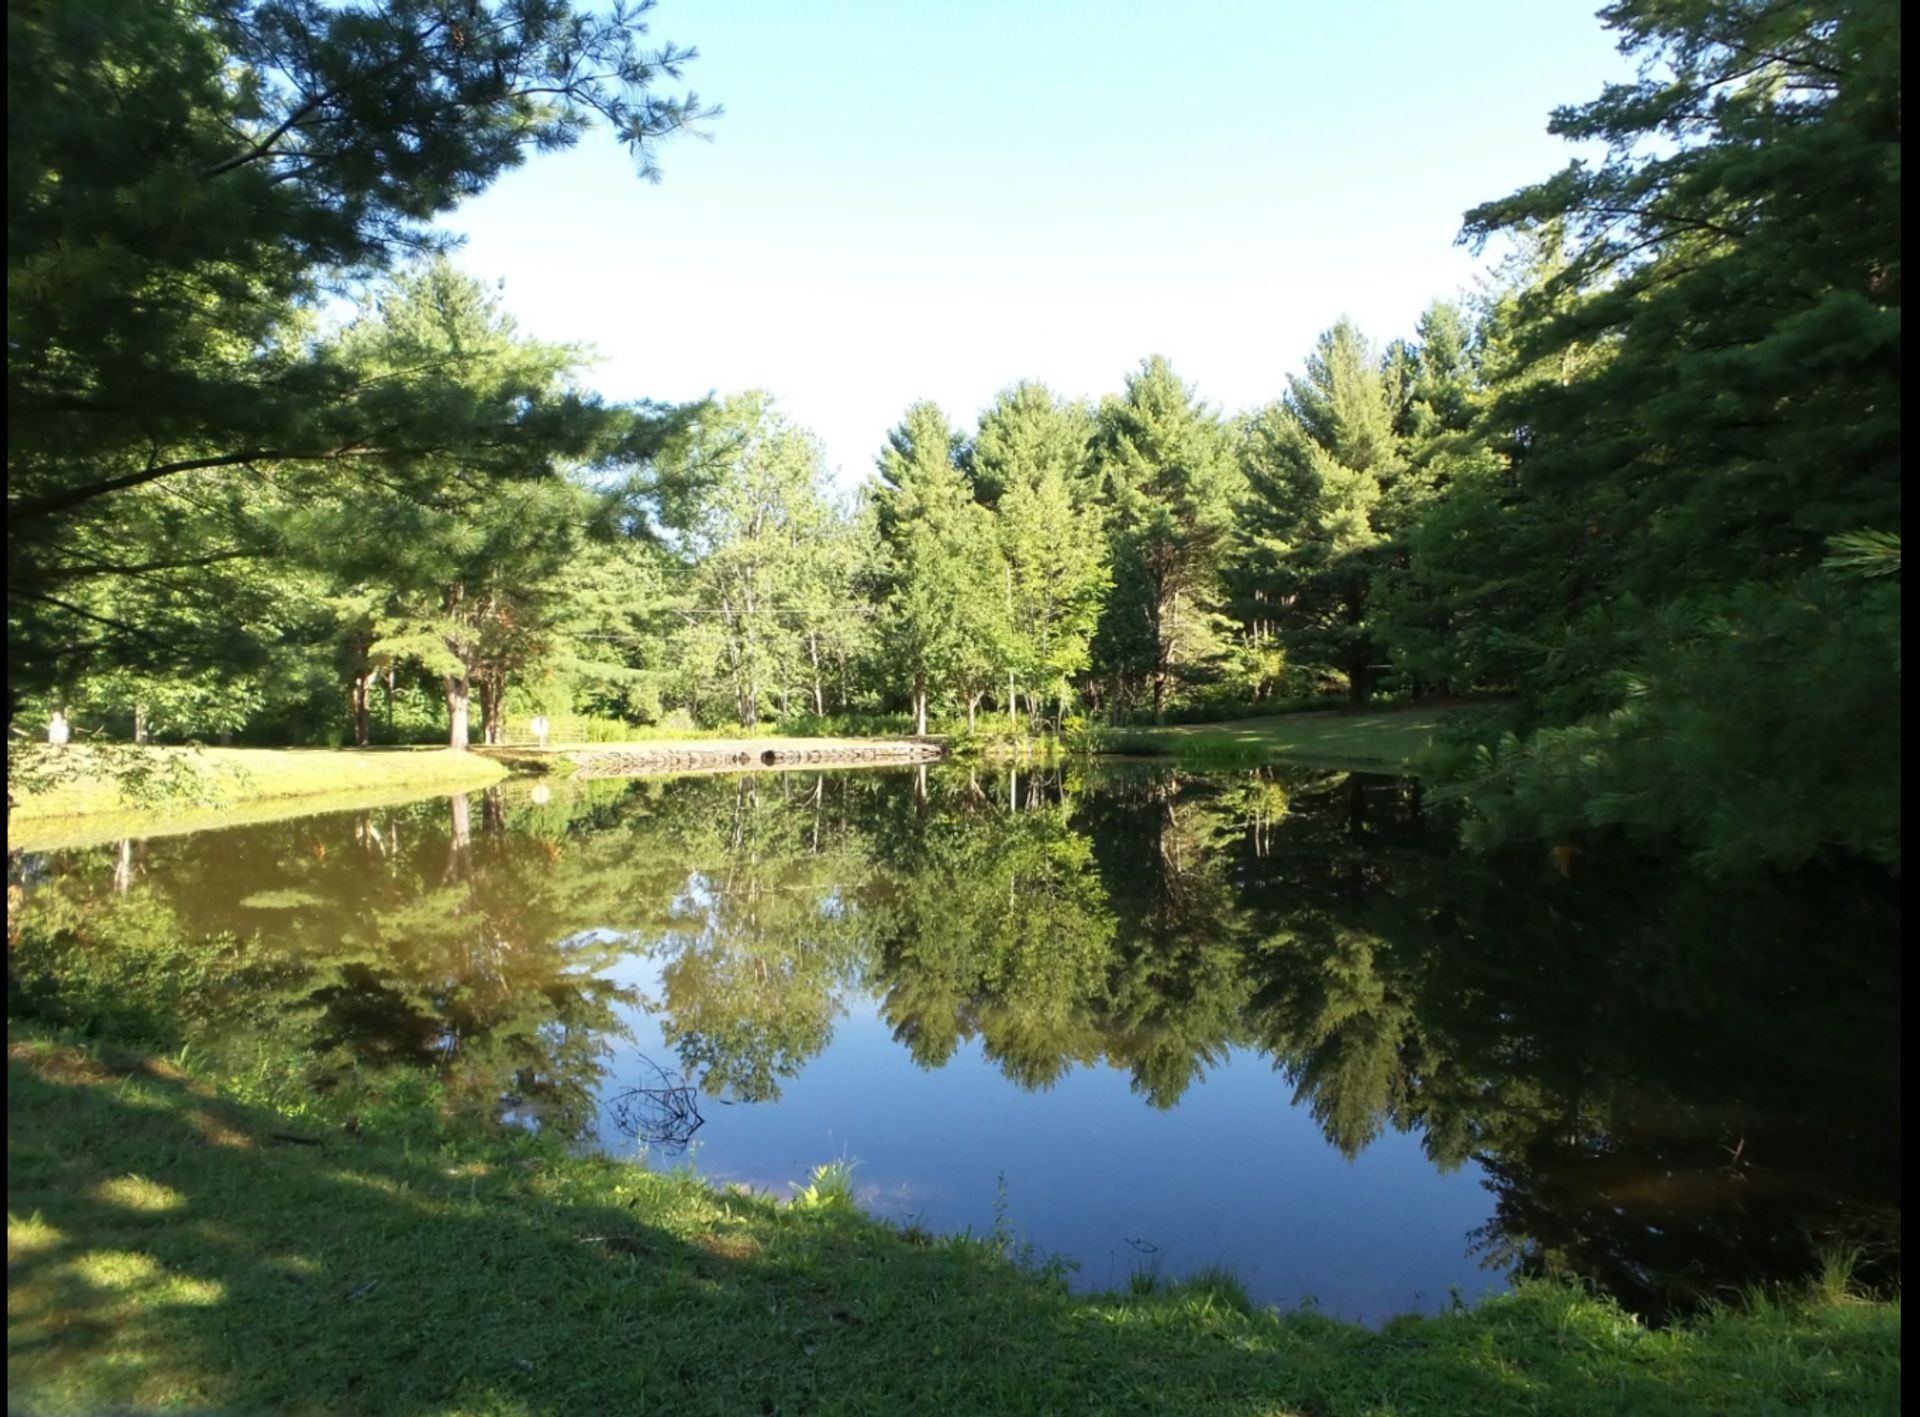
x: 1644, y: 486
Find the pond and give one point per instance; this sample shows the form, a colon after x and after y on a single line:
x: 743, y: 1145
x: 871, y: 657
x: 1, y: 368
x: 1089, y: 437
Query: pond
x: 1140, y: 1019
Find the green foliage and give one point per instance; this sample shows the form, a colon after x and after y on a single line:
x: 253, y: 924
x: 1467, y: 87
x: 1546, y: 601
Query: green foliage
x: 186, y: 185
x: 1167, y: 469
x: 1324, y: 468
x: 1864, y: 553
x: 940, y: 573
x: 769, y: 563
x: 1031, y: 462
x: 830, y: 1186
x: 1758, y: 733
x: 1614, y: 485
x: 1702, y: 393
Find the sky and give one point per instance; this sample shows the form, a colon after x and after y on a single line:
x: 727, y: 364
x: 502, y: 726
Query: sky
x: 936, y: 199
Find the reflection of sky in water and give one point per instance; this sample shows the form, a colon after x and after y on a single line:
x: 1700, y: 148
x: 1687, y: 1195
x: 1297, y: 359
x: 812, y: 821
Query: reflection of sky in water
x: 1644, y: 1059
x: 1235, y: 1174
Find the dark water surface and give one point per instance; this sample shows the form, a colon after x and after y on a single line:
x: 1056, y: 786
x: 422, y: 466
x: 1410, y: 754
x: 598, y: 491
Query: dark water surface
x: 1144, y: 1019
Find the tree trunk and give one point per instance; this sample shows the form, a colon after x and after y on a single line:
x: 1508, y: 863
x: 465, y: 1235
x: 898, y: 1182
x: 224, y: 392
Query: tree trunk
x: 489, y: 714
x: 973, y: 708
x: 920, y: 707
x: 1360, y: 656
x: 1013, y: 705
x: 362, y: 728
x: 819, y: 689
x: 461, y: 836
x: 139, y: 723
x: 458, y: 693
x: 1359, y: 674
x: 493, y: 699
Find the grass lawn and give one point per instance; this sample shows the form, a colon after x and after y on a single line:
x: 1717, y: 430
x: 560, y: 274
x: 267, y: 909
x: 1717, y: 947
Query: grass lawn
x: 1386, y: 738
x: 171, y: 1248
x: 226, y: 787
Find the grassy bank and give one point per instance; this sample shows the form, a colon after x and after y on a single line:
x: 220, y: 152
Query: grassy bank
x: 1388, y: 739
x: 169, y: 1247
x: 186, y: 789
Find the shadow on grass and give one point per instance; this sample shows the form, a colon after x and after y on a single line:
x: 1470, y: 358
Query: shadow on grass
x: 170, y: 1249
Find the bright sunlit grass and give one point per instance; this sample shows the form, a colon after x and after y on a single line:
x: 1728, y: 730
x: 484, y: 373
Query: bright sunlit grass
x: 89, y: 799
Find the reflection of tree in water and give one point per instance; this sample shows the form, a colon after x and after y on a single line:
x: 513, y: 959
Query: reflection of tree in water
x: 760, y: 942
x: 1648, y: 1065
x: 992, y: 924
x: 346, y: 951
x: 1179, y: 978
x: 1645, y: 1064
x: 1674, y: 1094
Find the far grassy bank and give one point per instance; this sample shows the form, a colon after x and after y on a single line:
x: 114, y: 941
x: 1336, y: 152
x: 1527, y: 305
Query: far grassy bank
x: 169, y: 1247
x: 1386, y: 739
x: 99, y: 794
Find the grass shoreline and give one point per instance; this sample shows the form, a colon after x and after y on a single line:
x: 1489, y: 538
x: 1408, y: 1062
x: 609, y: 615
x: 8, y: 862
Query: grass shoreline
x: 1386, y: 740
x: 170, y: 1246
x: 234, y: 786
x: 231, y: 786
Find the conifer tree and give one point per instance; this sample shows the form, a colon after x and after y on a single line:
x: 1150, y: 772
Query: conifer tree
x: 1323, y: 467
x: 468, y: 566
x: 1168, y: 472
x: 1031, y: 460
x: 942, y: 577
x: 1701, y: 398
x: 187, y: 183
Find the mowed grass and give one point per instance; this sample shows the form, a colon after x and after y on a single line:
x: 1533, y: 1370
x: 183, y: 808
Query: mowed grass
x: 88, y: 801
x: 170, y: 1249
x: 1387, y: 739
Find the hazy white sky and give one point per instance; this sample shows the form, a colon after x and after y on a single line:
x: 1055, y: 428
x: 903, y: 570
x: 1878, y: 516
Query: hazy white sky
x: 934, y: 199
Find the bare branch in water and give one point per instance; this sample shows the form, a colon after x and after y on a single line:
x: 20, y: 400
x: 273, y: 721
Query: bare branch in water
x: 663, y: 1112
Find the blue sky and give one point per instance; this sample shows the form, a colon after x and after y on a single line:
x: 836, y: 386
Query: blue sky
x: 935, y: 199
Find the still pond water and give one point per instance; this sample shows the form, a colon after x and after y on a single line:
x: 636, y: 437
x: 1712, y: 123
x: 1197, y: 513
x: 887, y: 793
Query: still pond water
x: 1144, y: 1019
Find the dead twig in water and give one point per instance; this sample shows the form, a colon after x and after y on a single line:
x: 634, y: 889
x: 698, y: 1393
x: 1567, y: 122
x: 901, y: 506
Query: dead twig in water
x: 664, y: 1111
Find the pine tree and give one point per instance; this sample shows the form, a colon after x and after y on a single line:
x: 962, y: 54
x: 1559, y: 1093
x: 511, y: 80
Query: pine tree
x: 1696, y: 401
x: 467, y: 566
x: 1031, y: 460
x: 1168, y: 472
x: 187, y: 183
x: 943, y: 580
x: 1324, y: 468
